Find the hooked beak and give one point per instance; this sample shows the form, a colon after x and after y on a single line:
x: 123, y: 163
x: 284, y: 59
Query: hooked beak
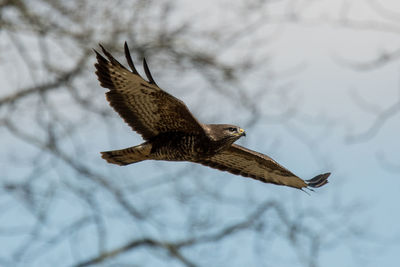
x: 242, y: 132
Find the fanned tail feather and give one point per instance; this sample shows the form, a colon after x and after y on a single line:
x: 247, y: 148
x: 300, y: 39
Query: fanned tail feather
x: 128, y: 155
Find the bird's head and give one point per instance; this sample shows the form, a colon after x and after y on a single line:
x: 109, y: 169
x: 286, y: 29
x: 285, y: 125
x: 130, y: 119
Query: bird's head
x: 234, y: 131
x: 226, y: 132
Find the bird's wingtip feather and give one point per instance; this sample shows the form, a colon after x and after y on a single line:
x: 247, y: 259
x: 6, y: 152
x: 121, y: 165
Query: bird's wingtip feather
x: 319, y: 180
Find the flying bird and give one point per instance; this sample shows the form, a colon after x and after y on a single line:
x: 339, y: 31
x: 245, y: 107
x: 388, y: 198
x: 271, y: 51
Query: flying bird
x: 172, y: 133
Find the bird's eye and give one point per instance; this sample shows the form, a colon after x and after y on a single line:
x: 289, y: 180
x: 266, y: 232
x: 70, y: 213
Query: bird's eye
x: 231, y: 129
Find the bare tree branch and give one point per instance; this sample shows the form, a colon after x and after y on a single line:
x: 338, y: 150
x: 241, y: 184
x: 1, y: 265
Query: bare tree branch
x: 60, y: 113
x: 58, y: 83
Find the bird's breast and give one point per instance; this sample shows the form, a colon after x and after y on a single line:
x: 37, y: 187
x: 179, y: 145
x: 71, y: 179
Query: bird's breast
x: 182, y: 147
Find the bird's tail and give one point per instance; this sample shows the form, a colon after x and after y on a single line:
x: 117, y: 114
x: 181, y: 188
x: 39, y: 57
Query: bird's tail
x: 128, y: 155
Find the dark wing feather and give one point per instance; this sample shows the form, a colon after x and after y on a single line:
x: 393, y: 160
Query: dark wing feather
x: 248, y: 163
x: 143, y: 105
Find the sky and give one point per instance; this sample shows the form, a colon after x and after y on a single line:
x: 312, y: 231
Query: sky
x: 320, y: 54
x: 330, y: 88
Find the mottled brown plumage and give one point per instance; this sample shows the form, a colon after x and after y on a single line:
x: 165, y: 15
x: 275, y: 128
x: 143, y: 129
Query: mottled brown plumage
x: 172, y: 133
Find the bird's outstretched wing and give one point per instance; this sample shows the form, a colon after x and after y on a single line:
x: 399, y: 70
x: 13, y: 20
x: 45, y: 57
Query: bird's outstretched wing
x: 142, y: 104
x: 248, y: 163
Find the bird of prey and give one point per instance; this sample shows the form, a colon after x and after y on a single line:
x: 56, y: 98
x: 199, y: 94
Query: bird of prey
x: 172, y: 133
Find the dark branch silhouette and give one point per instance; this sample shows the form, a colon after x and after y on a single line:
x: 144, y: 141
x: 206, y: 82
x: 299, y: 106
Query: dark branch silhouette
x: 61, y: 203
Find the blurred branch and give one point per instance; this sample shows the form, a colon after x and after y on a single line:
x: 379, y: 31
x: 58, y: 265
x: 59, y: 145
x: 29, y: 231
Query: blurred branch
x: 57, y: 128
x: 386, y: 163
x: 377, y: 124
x: 174, y: 247
x: 58, y: 83
x: 385, y: 13
x: 380, y: 60
x: 388, y: 21
x: 171, y: 248
x: 52, y: 148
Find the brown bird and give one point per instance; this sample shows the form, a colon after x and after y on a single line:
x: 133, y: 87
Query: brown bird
x: 172, y: 133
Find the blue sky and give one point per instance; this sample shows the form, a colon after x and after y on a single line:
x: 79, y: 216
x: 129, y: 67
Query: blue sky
x: 325, y: 89
x: 328, y: 87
